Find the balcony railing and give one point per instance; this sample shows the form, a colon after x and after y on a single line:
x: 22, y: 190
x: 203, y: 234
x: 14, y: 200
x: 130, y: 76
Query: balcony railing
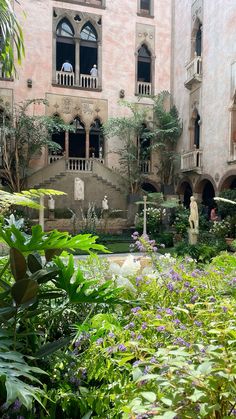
x: 88, y: 82
x: 145, y: 166
x: 144, y: 88
x: 194, y: 72
x: 79, y: 164
x: 191, y: 161
x: 65, y: 78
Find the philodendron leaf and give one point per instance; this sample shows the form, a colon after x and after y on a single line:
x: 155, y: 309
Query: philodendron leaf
x: 18, y: 264
x: 34, y: 264
x: 24, y: 290
x: 50, y: 253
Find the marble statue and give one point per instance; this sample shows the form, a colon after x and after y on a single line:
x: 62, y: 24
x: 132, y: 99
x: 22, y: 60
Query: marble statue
x: 78, y: 189
x: 193, y: 217
x: 51, y: 203
x: 105, y: 205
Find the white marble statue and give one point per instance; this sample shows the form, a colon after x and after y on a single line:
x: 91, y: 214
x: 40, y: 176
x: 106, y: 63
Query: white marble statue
x: 105, y: 205
x: 78, y: 189
x: 51, y: 203
x: 193, y: 217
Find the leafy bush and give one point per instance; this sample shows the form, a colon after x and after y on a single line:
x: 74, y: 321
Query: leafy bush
x: 154, y: 221
x: 201, y: 252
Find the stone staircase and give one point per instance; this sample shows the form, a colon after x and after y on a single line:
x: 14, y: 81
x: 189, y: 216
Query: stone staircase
x: 98, y: 181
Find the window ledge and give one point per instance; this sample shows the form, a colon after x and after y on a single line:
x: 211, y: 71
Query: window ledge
x: 6, y: 79
x: 145, y: 15
x: 99, y: 89
x: 81, y: 3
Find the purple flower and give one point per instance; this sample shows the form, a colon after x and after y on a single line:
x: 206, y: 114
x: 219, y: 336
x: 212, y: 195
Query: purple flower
x: 122, y: 347
x: 169, y: 311
x: 212, y: 299
x: 161, y: 328
x: 129, y: 326
x: 158, y: 316
x: 154, y: 249
x: 187, y: 284
x: 194, y: 298
x: 144, y: 326
x: 153, y: 360
x: 146, y: 370
x: 224, y: 309
x: 197, y: 323
x: 110, y: 349
x: 17, y: 405
x: 170, y: 286
x: 139, y: 337
x: 111, y: 335
x: 193, y: 289
x: 176, y: 321
x: 183, y: 327
x: 99, y: 341
x: 133, y: 335
x: 138, y: 280
x: 135, y: 309
x: 137, y: 363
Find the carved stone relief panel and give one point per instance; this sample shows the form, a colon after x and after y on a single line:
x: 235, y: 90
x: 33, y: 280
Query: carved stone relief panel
x: 6, y: 99
x: 197, y: 11
x: 68, y: 107
x: 145, y: 34
x: 194, y: 101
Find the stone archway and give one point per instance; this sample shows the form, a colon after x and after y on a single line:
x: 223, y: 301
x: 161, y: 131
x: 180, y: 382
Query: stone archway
x: 185, y: 191
x: 228, y: 181
x: 205, y: 189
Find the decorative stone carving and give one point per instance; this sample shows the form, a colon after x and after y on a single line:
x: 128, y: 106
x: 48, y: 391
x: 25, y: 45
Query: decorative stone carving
x: 145, y: 34
x: 68, y: 107
x: 78, y: 189
x: 6, y: 98
x: 197, y: 11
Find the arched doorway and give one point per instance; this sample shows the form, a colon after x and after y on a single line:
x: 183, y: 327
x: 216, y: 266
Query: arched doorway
x: 148, y: 187
x: 77, y: 139
x: 185, y: 192
x: 96, y: 141
x: 208, y: 194
x: 197, y: 131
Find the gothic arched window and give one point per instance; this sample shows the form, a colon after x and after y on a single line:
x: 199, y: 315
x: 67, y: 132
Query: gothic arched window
x: 88, y: 48
x: 65, y: 45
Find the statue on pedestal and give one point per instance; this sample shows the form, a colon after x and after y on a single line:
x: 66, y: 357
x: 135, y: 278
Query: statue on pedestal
x: 105, y: 205
x: 193, y: 221
x: 51, y: 207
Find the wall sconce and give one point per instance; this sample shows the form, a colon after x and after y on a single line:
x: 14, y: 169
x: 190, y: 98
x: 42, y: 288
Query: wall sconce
x: 29, y: 83
x: 122, y: 94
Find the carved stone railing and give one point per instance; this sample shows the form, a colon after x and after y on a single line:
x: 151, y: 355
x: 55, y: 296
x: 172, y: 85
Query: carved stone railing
x: 65, y: 78
x: 88, y: 82
x: 145, y: 166
x: 79, y: 164
x: 191, y: 160
x: 144, y: 88
x: 52, y: 158
x: 194, y: 72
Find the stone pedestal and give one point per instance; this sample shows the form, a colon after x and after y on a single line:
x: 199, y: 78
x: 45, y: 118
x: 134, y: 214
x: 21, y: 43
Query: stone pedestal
x: 192, y: 236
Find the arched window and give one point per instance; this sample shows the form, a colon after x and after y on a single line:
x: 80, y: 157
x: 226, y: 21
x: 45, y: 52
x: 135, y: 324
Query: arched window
x: 96, y: 141
x: 144, y: 71
x: 145, y: 6
x: 198, y: 42
x: 77, y: 139
x: 88, y: 49
x: 65, y: 46
x: 197, y: 131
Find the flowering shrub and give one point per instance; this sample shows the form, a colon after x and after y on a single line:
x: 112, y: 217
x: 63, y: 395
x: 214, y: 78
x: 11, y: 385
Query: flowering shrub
x: 220, y: 229
x: 154, y: 220
x: 171, y: 355
x: 143, y: 243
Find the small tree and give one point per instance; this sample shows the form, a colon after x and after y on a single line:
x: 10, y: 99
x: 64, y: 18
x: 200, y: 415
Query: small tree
x: 167, y: 128
x: 128, y: 130
x: 23, y: 137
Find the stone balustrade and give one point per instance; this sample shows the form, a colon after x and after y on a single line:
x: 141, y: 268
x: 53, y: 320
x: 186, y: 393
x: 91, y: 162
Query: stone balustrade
x: 145, y: 166
x: 79, y: 164
x: 144, y: 88
x: 191, y: 160
x: 88, y: 82
x: 65, y: 78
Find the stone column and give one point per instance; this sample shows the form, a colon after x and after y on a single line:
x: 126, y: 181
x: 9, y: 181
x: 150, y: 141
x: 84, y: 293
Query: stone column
x: 54, y: 49
x: 77, y: 62
x: 99, y: 66
x: 66, y: 145
x: 87, y: 143
x: 41, y: 212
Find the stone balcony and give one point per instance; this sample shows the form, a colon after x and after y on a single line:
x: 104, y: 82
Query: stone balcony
x: 194, y: 72
x: 68, y: 79
x: 144, y: 88
x: 191, y: 161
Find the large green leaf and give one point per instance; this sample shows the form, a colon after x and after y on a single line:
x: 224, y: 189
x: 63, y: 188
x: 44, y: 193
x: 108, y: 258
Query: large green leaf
x: 18, y: 264
x: 24, y: 291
